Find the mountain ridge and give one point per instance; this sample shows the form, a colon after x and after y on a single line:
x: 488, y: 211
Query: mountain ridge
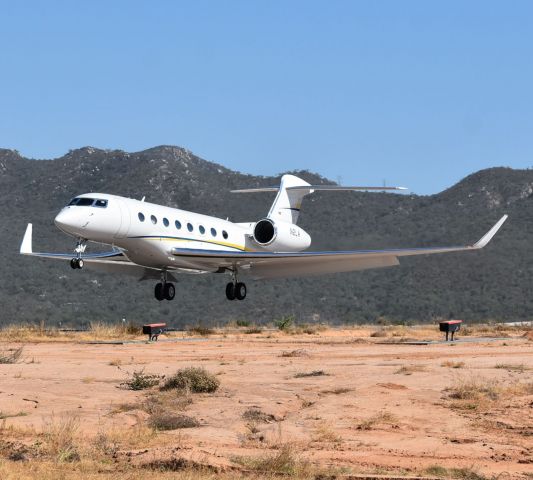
x: 492, y: 283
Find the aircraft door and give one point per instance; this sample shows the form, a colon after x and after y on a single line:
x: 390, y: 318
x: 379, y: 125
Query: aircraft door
x: 125, y: 220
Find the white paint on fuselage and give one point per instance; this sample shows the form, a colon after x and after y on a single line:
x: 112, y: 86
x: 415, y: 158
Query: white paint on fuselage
x: 147, y: 243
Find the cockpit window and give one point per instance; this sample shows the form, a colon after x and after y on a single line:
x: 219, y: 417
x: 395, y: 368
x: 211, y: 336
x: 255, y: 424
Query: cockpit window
x: 85, y: 202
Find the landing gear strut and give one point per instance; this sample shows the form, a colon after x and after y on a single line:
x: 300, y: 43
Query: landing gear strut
x: 164, y: 290
x: 235, y: 289
x: 77, y: 261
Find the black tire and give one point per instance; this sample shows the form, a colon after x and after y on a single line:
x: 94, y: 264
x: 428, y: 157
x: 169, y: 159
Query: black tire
x: 169, y: 291
x: 158, y: 291
x: 240, y: 291
x: 230, y: 291
x: 74, y: 264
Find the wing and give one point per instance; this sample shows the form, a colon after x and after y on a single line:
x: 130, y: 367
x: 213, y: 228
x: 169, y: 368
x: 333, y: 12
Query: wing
x: 275, y: 265
x: 113, y: 261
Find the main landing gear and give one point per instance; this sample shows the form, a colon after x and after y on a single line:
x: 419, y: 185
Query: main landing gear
x: 77, y: 261
x: 164, y: 290
x: 235, y: 289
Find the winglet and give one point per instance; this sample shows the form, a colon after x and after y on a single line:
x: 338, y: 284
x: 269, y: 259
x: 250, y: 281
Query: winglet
x: 488, y: 236
x: 25, y: 246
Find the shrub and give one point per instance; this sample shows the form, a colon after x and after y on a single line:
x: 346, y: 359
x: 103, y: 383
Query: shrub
x: 284, y: 323
x: 243, y: 323
x: 140, y: 381
x: 253, y: 330
x: 256, y: 415
x: 193, y: 379
x: 170, y: 421
x: 381, y: 418
x: 294, y: 353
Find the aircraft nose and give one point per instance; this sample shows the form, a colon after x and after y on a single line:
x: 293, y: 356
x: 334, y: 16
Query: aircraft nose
x: 63, y: 220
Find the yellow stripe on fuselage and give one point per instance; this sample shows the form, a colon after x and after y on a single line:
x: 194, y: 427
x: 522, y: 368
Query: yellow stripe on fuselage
x: 211, y: 242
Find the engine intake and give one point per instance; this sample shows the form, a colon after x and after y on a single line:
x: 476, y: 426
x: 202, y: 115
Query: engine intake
x: 280, y: 236
x: 264, y: 232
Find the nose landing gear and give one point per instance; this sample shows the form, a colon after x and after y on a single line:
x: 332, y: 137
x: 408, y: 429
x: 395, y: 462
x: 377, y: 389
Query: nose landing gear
x: 164, y: 290
x: 77, y: 261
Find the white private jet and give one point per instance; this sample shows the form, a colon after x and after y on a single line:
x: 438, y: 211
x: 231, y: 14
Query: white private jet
x: 156, y: 242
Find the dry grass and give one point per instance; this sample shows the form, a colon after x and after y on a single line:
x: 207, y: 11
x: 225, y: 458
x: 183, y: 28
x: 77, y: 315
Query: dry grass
x: 479, y: 393
x: 379, y: 419
x: 201, y: 331
x: 192, y: 379
x: 60, y: 440
x: 410, y: 369
x: 314, y: 373
x: 284, y: 461
x: 324, y: 433
x: 521, y: 368
x: 337, y: 391
x: 452, y: 364
x: 12, y: 355
x: 454, y: 473
x: 294, y: 353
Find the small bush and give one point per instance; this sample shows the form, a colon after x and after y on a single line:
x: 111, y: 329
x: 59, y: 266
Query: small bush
x: 140, y: 381
x: 11, y: 356
x: 284, y: 323
x: 193, y: 379
x: 168, y: 421
x: 243, y: 323
x: 314, y: 373
x: 256, y: 415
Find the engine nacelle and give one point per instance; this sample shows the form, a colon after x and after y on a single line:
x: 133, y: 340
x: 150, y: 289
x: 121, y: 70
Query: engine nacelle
x: 280, y: 236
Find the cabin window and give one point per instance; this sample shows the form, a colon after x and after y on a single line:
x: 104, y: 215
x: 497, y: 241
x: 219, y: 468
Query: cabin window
x: 153, y: 218
x: 141, y: 216
x: 189, y: 227
x: 213, y: 232
x: 178, y: 224
x: 202, y: 229
x: 165, y: 222
x: 100, y: 203
x: 225, y: 234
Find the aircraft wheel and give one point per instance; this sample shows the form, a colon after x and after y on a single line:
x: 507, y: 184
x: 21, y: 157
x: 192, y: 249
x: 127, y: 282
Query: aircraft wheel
x: 169, y: 291
x: 74, y: 264
x: 230, y: 291
x: 240, y: 291
x: 158, y: 291
x: 79, y: 262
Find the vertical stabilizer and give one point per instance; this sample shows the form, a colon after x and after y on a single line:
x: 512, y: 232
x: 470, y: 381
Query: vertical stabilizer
x: 286, y: 206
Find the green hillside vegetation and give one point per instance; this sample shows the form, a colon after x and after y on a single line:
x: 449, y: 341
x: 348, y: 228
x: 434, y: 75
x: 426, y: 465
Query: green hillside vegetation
x: 495, y: 283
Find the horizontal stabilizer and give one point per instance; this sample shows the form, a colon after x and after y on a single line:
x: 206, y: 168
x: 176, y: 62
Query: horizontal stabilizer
x: 312, y: 188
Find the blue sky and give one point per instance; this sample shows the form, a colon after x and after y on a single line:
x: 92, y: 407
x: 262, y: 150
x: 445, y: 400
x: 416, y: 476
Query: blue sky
x: 417, y: 93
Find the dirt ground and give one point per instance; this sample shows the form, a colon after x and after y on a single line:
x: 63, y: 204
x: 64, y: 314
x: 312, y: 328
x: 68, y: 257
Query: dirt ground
x: 363, y: 408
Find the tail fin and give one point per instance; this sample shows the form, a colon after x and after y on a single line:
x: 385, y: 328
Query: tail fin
x: 286, y: 206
